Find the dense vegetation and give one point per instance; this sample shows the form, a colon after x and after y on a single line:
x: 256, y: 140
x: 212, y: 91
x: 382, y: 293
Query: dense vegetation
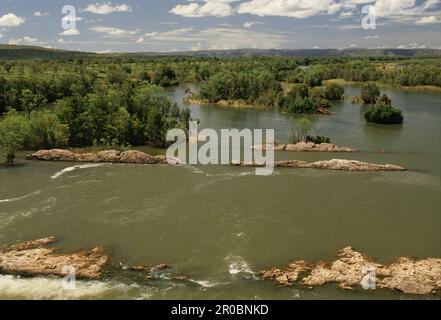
x: 304, y: 99
x: 383, y: 112
x: 88, y: 99
x: 259, y: 88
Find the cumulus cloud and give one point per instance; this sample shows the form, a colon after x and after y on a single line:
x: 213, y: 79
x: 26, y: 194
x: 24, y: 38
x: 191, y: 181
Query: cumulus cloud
x: 393, y: 8
x: 289, y: 8
x: 70, y: 32
x: 429, y: 20
x: 206, y: 8
x: 25, y: 41
x: 11, y: 20
x: 107, y: 8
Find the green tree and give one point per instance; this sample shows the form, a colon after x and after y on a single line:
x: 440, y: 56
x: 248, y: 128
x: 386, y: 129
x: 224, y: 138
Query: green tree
x: 47, y: 131
x: 301, y: 130
x: 334, y: 92
x: 384, y: 114
x: 370, y: 93
x: 14, y: 133
x: 30, y: 101
x: 299, y: 91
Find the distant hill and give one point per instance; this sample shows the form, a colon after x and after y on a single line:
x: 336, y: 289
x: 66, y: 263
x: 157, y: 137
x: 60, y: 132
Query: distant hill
x: 14, y: 52
x: 304, y: 53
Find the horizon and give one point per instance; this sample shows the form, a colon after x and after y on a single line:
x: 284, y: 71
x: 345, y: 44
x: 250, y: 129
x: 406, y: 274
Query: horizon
x: 206, y: 25
x: 18, y: 46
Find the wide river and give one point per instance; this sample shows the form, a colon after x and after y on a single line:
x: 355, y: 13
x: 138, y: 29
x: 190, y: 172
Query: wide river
x: 221, y: 225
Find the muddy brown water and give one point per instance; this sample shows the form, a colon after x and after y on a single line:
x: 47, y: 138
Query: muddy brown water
x: 220, y: 225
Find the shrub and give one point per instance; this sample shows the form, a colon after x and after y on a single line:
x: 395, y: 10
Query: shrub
x: 384, y: 114
x: 318, y: 139
x: 14, y: 132
x: 334, y: 92
x: 297, y: 106
x: 299, y: 91
x: 370, y: 93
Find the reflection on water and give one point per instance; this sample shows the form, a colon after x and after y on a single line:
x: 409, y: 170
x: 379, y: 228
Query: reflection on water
x: 220, y: 225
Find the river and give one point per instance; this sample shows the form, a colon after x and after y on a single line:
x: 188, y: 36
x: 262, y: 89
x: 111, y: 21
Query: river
x: 221, y: 225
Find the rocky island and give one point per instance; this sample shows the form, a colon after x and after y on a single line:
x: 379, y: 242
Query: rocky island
x: 305, y: 147
x: 36, y: 258
x: 408, y: 275
x: 335, y: 164
x: 108, y: 156
x: 138, y: 157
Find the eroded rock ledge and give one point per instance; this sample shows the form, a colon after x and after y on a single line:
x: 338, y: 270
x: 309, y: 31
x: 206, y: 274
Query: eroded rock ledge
x: 335, y: 164
x: 109, y: 156
x: 35, y: 258
x: 406, y: 275
x: 305, y: 147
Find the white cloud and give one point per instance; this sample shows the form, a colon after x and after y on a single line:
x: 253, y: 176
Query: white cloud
x: 11, y: 20
x: 396, y: 8
x: 414, y: 45
x: 25, y: 41
x: 70, y: 32
x: 250, y: 24
x: 112, y: 32
x: 216, y: 38
x: 211, y: 8
x: 429, y: 20
x: 372, y: 37
x: 104, y: 51
x: 68, y: 18
x: 107, y: 8
x: 289, y: 8
x: 41, y: 14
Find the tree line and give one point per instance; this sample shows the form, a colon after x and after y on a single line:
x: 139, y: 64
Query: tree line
x: 119, y: 101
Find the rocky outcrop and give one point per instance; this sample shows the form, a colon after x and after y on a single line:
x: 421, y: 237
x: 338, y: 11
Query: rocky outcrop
x: 108, y: 156
x: 288, y: 275
x: 335, y: 164
x: 413, y: 276
x: 305, y: 147
x: 36, y: 258
x: 350, y: 270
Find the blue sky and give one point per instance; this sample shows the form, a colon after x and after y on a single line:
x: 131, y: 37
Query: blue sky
x: 181, y: 25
